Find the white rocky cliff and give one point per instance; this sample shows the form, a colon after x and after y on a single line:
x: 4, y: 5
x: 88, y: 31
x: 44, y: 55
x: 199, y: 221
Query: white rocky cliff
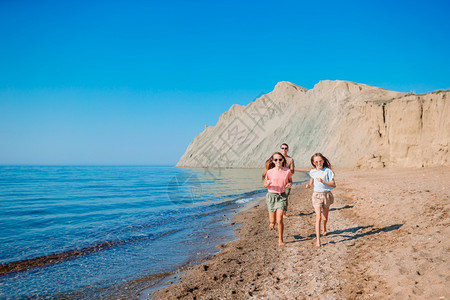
x: 354, y: 125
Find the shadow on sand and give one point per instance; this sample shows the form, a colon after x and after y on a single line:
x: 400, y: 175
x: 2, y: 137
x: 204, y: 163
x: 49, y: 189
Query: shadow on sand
x: 363, y: 234
x: 348, y: 234
x: 343, y: 207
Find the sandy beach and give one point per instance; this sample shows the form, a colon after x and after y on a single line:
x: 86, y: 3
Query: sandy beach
x: 388, y: 238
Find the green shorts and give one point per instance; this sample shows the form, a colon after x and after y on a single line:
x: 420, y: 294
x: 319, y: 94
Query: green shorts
x: 276, y: 201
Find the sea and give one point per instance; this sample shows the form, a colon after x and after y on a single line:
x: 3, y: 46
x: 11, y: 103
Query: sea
x: 91, y: 232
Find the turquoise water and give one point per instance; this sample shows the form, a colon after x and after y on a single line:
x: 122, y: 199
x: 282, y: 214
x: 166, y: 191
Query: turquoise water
x: 79, y: 232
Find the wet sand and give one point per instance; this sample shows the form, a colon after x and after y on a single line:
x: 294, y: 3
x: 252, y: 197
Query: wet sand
x: 388, y: 238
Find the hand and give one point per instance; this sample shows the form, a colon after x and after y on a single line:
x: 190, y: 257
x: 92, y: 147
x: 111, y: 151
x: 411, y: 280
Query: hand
x: 319, y: 179
x: 289, y: 185
x: 268, y: 183
x: 308, y: 185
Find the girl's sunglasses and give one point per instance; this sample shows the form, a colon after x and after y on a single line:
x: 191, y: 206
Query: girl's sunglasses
x: 277, y: 159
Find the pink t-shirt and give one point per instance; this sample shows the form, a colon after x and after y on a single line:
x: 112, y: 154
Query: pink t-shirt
x: 278, y: 179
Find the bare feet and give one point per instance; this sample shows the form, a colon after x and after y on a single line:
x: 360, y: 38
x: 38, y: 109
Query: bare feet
x: 271, y: 226
x: 281, y: 243
x: 324, y: 233
x: 317, y: 246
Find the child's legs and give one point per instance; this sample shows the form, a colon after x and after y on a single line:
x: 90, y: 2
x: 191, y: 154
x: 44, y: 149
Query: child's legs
x: 280, y: 223
x: 325, y: 212
x: 317, y: 209
x: 272, y: 219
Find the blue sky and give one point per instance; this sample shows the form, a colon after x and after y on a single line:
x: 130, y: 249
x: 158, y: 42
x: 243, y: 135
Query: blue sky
x: 133, y: 82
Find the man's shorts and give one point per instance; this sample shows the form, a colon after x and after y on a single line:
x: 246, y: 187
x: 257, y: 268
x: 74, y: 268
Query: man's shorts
x: 287, y: 191
x: 322, y: 199
x: 276, y: 201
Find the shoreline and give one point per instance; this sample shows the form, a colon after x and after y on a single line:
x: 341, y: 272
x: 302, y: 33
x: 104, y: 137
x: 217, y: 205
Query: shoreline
x: 387, y: 231
x: 169, y: 278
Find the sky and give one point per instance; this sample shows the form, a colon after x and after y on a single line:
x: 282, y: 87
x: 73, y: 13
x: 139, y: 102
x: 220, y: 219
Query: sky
x: 133, y: 82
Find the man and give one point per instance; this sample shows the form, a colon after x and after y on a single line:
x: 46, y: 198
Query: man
x: 290, y: 165
x: 289, y: 160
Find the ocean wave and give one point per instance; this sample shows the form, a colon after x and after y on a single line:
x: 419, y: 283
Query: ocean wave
x: 244, y: 200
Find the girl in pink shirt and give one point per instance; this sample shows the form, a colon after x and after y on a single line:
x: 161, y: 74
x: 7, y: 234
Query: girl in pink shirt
x: 277, y: 178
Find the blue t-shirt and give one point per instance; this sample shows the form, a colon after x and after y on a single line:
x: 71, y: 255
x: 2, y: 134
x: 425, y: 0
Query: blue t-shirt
x: 326, y: 174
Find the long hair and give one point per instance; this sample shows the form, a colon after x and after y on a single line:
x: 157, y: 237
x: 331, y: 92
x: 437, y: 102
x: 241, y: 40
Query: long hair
x: 326, y: 162
x: 270, y: 164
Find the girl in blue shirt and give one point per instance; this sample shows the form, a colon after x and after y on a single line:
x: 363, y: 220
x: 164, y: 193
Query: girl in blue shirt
x: 323, y: 178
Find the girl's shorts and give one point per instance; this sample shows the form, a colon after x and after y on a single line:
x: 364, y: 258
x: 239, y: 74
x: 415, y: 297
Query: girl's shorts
x: 276, y: 201
x: 322, y: 199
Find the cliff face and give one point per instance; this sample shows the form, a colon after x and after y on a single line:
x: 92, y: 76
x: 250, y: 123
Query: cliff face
x: 354, y: 125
